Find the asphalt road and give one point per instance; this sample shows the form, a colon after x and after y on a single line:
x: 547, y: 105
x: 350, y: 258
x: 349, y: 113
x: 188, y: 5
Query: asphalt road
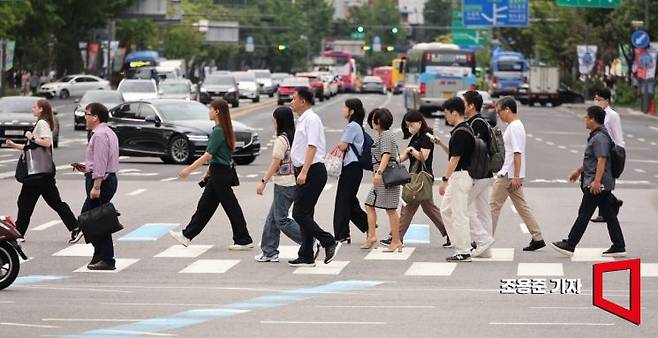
x: 162, y: 290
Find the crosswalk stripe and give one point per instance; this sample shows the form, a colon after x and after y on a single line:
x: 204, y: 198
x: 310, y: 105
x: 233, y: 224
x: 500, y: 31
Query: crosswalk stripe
x: 121, y: 264
x: 76, y: 250
x: 179, y: 251
x: 210, y: 266
x: 431, y: 269
x: 46, y: 225
x: 649, y: 269
x: 149, y: 232
x: 590, y: 255
x: 332, y: 268
x: 498, y: 255
x: 378, y: 254
x: 540, y: 269
x: 136, y: 192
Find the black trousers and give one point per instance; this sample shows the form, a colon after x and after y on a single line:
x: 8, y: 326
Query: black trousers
x: 103, y: 246
x: 347, y: 207
x: 28, y: 198
x: 303, y: 210
x: 219, y: 191
x: 607, y: 204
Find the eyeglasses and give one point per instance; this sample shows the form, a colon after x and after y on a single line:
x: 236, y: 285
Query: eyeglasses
x: 599, y: 99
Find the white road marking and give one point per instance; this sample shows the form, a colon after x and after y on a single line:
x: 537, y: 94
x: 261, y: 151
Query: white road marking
x: 654, y: 128
x: 539, y: 139
x: 550, y: 143
x: 641, y: 171
x: 378, y: 306
x: 562, y: 147
x: 551, y: 324
x: 631, y: 135
x: 46, y: 225
x: 91, y: 320
x: 574, y: 151
x: 9, y: 161
x: 498, y: 255
x: 653, y: 143
x: 529, y: 135
x: 29, y: 325
x: 76, y: 250
x: 169, y: 179
x: 210, y: 266
x: 121, y: 263
x: 643, y: 161
x: 333, y: 268
x: 264, y: 148
x: 138, y: 333
x: 641, y: 139
x: 179, y: 251
x: 320, y: 323
x: 378, y: 254
x: 649, y: 269
x: 136, y: 192
x: 590, y: 255
x: 431, y: 269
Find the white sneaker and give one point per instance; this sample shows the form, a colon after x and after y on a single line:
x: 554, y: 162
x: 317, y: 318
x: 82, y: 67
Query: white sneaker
x: 238, y: 247
x: 482, y: 248
x: 262, y: 258
x: 178, y: 236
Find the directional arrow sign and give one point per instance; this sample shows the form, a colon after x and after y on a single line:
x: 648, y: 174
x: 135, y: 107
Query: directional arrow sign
x: 501, y: 13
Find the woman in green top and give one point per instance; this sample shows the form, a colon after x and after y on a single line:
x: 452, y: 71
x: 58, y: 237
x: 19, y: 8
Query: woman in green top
x: 218, y: 189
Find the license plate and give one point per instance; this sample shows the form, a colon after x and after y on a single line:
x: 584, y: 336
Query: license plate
x: 14, y: 132
x: 239, y: 144
x: 543, y: 96
x: 448, y: 95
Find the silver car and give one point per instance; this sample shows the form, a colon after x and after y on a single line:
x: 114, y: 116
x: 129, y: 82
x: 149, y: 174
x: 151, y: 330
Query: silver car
x: 176, y: 89
x: 248, y: 86
x: 373, y: 84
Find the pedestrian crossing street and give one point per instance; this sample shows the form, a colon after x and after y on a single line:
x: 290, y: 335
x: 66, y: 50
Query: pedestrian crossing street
x: 417, y: 240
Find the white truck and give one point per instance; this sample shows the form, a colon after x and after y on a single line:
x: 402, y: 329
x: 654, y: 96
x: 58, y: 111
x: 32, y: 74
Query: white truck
x: 544, y: 86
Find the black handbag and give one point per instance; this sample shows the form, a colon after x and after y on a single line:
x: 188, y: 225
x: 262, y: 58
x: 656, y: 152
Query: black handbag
x: 99, y: 221
x: 395, y: 174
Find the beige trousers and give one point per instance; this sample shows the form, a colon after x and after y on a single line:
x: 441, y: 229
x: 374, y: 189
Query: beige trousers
x: 501, y: 190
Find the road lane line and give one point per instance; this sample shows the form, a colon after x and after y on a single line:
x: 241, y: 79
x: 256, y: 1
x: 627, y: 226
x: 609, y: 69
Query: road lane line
x: 29, y: 325
x: 644, y: 161
x: 136, y: 192
x: 169, y: 179
x: 376, y: 306
x: 641, y: 171
x: 550, y: 143
x: 46, y: 225
x: 574, y: 151
x: 641, y: 139
x: 93, y: 320
x: 654, y: 128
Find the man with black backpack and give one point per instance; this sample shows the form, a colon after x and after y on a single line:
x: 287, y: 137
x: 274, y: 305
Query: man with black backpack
x: 456, y: 183
x: 479, y: 211
x: 597, y: 181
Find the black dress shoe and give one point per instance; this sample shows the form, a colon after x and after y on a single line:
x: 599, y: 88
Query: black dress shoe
x: 614, y: 252
x: 301, y: 263
x: 535, y: 245
x: 330, y: 252
x: 598, y: 219
x: 76, y: 235
x: 563, y: 247
x: 101, y: 265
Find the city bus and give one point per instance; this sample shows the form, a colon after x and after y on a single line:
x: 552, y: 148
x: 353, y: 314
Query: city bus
x: 435, y: 72
x: 509, y: 72
x: 345, y: 67
x: 385, y: 73
x: 141, y: 65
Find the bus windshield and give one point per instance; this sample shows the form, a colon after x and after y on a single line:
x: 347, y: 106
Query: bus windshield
x: 510, y: 66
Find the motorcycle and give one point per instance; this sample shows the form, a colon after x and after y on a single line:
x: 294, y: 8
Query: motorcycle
x: 10, y: 251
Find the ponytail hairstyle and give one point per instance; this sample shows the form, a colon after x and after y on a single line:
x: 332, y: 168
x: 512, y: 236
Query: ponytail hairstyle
x: 224, y: 120
x: 46, y: 113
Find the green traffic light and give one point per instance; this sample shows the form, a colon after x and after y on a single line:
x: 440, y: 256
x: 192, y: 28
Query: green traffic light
x: 360, y: 29
x: 394, y: 30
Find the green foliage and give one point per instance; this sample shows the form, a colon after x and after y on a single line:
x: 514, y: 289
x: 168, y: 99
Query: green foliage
x: 137, y: 34
x: 626, y: 95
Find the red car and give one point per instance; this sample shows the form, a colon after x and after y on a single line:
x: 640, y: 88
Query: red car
x: 317, y: 84
x: 288, y: 86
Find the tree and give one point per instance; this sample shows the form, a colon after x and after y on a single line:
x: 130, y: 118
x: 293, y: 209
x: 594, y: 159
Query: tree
x: 435, y: 13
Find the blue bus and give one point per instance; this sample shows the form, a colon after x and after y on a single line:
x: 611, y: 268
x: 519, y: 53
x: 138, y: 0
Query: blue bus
x: 436, y: 72
x: 509, y: 72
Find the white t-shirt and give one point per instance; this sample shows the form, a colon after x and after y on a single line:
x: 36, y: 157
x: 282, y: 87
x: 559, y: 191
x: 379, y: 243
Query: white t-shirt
x: 613, y: 125
x: 42, y: 130
x: 309, y: 131
x: 515, y: 139
x: 279, y: 152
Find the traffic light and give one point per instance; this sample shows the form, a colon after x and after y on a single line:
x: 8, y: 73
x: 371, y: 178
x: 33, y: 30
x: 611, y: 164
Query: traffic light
x: 390, y: 49
x: 366, y: 48
x: 282, y: 47
x: 360, y: 29
x: 394, y: 30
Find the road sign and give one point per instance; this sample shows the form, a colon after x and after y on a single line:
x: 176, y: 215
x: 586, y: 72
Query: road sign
x: 249, y: 45
x: 640, y: 39
x: 376, y: 44
x: 589, y: 3
x: 467, y: 37
x: 358, y: 36
x: 500, y: 13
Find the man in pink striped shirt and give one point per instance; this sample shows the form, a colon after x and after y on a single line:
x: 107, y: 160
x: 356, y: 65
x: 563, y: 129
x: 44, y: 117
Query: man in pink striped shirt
x: 101, y: 165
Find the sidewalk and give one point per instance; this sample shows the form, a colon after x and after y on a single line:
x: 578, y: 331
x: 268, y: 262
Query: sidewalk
x: 621, y: 110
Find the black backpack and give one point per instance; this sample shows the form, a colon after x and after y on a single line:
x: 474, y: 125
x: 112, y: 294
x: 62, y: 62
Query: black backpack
x: 496, y: 147
x: 617, y: 157
x: 365, y: 158
x: 479, y: 166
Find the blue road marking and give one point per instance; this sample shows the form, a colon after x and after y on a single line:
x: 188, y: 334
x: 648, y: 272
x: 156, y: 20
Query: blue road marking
x: 418, y: 233
x: 199, y: 316
x: 32, y: 279
x: 149, y: 232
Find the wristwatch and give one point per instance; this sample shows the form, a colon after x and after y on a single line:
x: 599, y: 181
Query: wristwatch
x: 379, y: 172
x: 444, y: 179
x: 263, y: 180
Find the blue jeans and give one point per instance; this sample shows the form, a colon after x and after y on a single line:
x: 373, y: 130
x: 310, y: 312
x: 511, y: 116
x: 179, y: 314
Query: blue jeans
x: 278, y: 221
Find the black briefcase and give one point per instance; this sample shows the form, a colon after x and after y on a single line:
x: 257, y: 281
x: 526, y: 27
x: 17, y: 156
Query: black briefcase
x: 99, y: 221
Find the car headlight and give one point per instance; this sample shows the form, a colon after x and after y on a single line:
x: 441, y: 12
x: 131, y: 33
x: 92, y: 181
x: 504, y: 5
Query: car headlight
x: 79, y: 113
x: 197, y: 137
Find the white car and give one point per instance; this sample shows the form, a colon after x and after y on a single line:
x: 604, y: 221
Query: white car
x: 247, y: 85
x: 137, y: 90
x: 73, y: 85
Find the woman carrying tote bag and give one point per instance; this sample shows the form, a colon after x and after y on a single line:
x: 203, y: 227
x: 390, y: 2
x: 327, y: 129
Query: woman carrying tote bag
x: 38, y: 154
x: 384, y: 151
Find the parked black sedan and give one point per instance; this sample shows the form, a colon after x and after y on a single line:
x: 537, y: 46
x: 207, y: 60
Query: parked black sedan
x: 568, y: 95
x: 175, y: 130
x: 16, y: 118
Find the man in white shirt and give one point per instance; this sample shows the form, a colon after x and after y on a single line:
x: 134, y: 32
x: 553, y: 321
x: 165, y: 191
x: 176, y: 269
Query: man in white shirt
x: 613, y: 126
x: 509, y: 180
x: 307, y: 155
